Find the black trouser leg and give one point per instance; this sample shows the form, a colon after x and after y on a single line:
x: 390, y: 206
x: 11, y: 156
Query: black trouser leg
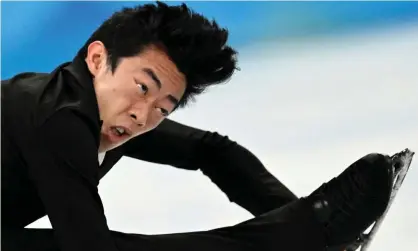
x: 290, y: 228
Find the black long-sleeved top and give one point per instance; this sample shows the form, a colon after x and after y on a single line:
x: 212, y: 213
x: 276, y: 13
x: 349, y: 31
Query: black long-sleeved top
x: 50, y: 136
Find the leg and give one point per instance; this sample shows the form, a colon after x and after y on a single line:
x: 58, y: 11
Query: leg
x: 289, y: 228
x: 328, y: 219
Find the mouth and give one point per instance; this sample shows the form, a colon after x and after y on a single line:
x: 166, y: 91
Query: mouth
x: 120, y: 131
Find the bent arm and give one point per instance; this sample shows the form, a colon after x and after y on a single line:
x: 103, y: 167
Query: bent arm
x: 233, y: 168
x: 62, y: 163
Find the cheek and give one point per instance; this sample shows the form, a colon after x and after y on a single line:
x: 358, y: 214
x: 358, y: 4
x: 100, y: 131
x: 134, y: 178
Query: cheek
x: 155, y: 121
x: 105, y: 88
x: 120, y: 103
x: 103, y: 78
x: 122, y: 97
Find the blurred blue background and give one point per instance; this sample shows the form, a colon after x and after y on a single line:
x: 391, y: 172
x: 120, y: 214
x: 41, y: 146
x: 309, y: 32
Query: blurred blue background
x: 321, y: 84
x: 36, y: 36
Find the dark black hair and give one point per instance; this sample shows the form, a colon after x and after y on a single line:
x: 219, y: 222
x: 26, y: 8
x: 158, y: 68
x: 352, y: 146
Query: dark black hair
x: 195, y: 44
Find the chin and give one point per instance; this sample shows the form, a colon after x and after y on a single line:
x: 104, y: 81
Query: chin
x: 107, y: 146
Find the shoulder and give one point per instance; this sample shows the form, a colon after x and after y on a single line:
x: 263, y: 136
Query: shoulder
x: 69, y: 131
x: 31, y: 99
x: 65, y: 143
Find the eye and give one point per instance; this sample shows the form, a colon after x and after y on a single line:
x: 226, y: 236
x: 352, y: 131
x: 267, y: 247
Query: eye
x: 163, y: 112
x: 142, y: 87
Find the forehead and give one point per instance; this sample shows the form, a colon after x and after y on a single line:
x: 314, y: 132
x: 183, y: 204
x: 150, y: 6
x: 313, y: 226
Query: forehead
x: 158, y: 61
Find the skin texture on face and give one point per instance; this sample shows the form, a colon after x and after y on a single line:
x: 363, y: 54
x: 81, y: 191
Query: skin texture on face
x: 142, y: 91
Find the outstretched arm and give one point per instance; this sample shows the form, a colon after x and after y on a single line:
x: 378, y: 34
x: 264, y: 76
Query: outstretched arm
x: 233, y: 168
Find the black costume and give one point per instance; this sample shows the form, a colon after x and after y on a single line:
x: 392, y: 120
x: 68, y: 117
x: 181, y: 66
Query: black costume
x: 50, y: 139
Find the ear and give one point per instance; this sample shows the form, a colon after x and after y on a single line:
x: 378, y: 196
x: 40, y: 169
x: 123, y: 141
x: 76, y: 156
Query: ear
x: 96, y: 58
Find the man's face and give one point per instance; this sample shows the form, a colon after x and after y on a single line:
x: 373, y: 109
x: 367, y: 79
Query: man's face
x: 136, y: 98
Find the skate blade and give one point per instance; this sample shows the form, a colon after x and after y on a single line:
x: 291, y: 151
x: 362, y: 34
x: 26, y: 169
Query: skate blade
x: 401, y: 163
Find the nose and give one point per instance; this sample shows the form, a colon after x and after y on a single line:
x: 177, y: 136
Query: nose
x: 139, y: 118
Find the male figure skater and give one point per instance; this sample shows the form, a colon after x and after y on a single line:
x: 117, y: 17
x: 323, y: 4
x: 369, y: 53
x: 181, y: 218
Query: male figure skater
x: 114, y: 98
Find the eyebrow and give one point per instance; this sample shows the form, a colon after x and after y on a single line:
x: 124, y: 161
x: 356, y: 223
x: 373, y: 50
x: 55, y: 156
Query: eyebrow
x: 173, y: 100
x: 152, y: 75
x: 157, y: 81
